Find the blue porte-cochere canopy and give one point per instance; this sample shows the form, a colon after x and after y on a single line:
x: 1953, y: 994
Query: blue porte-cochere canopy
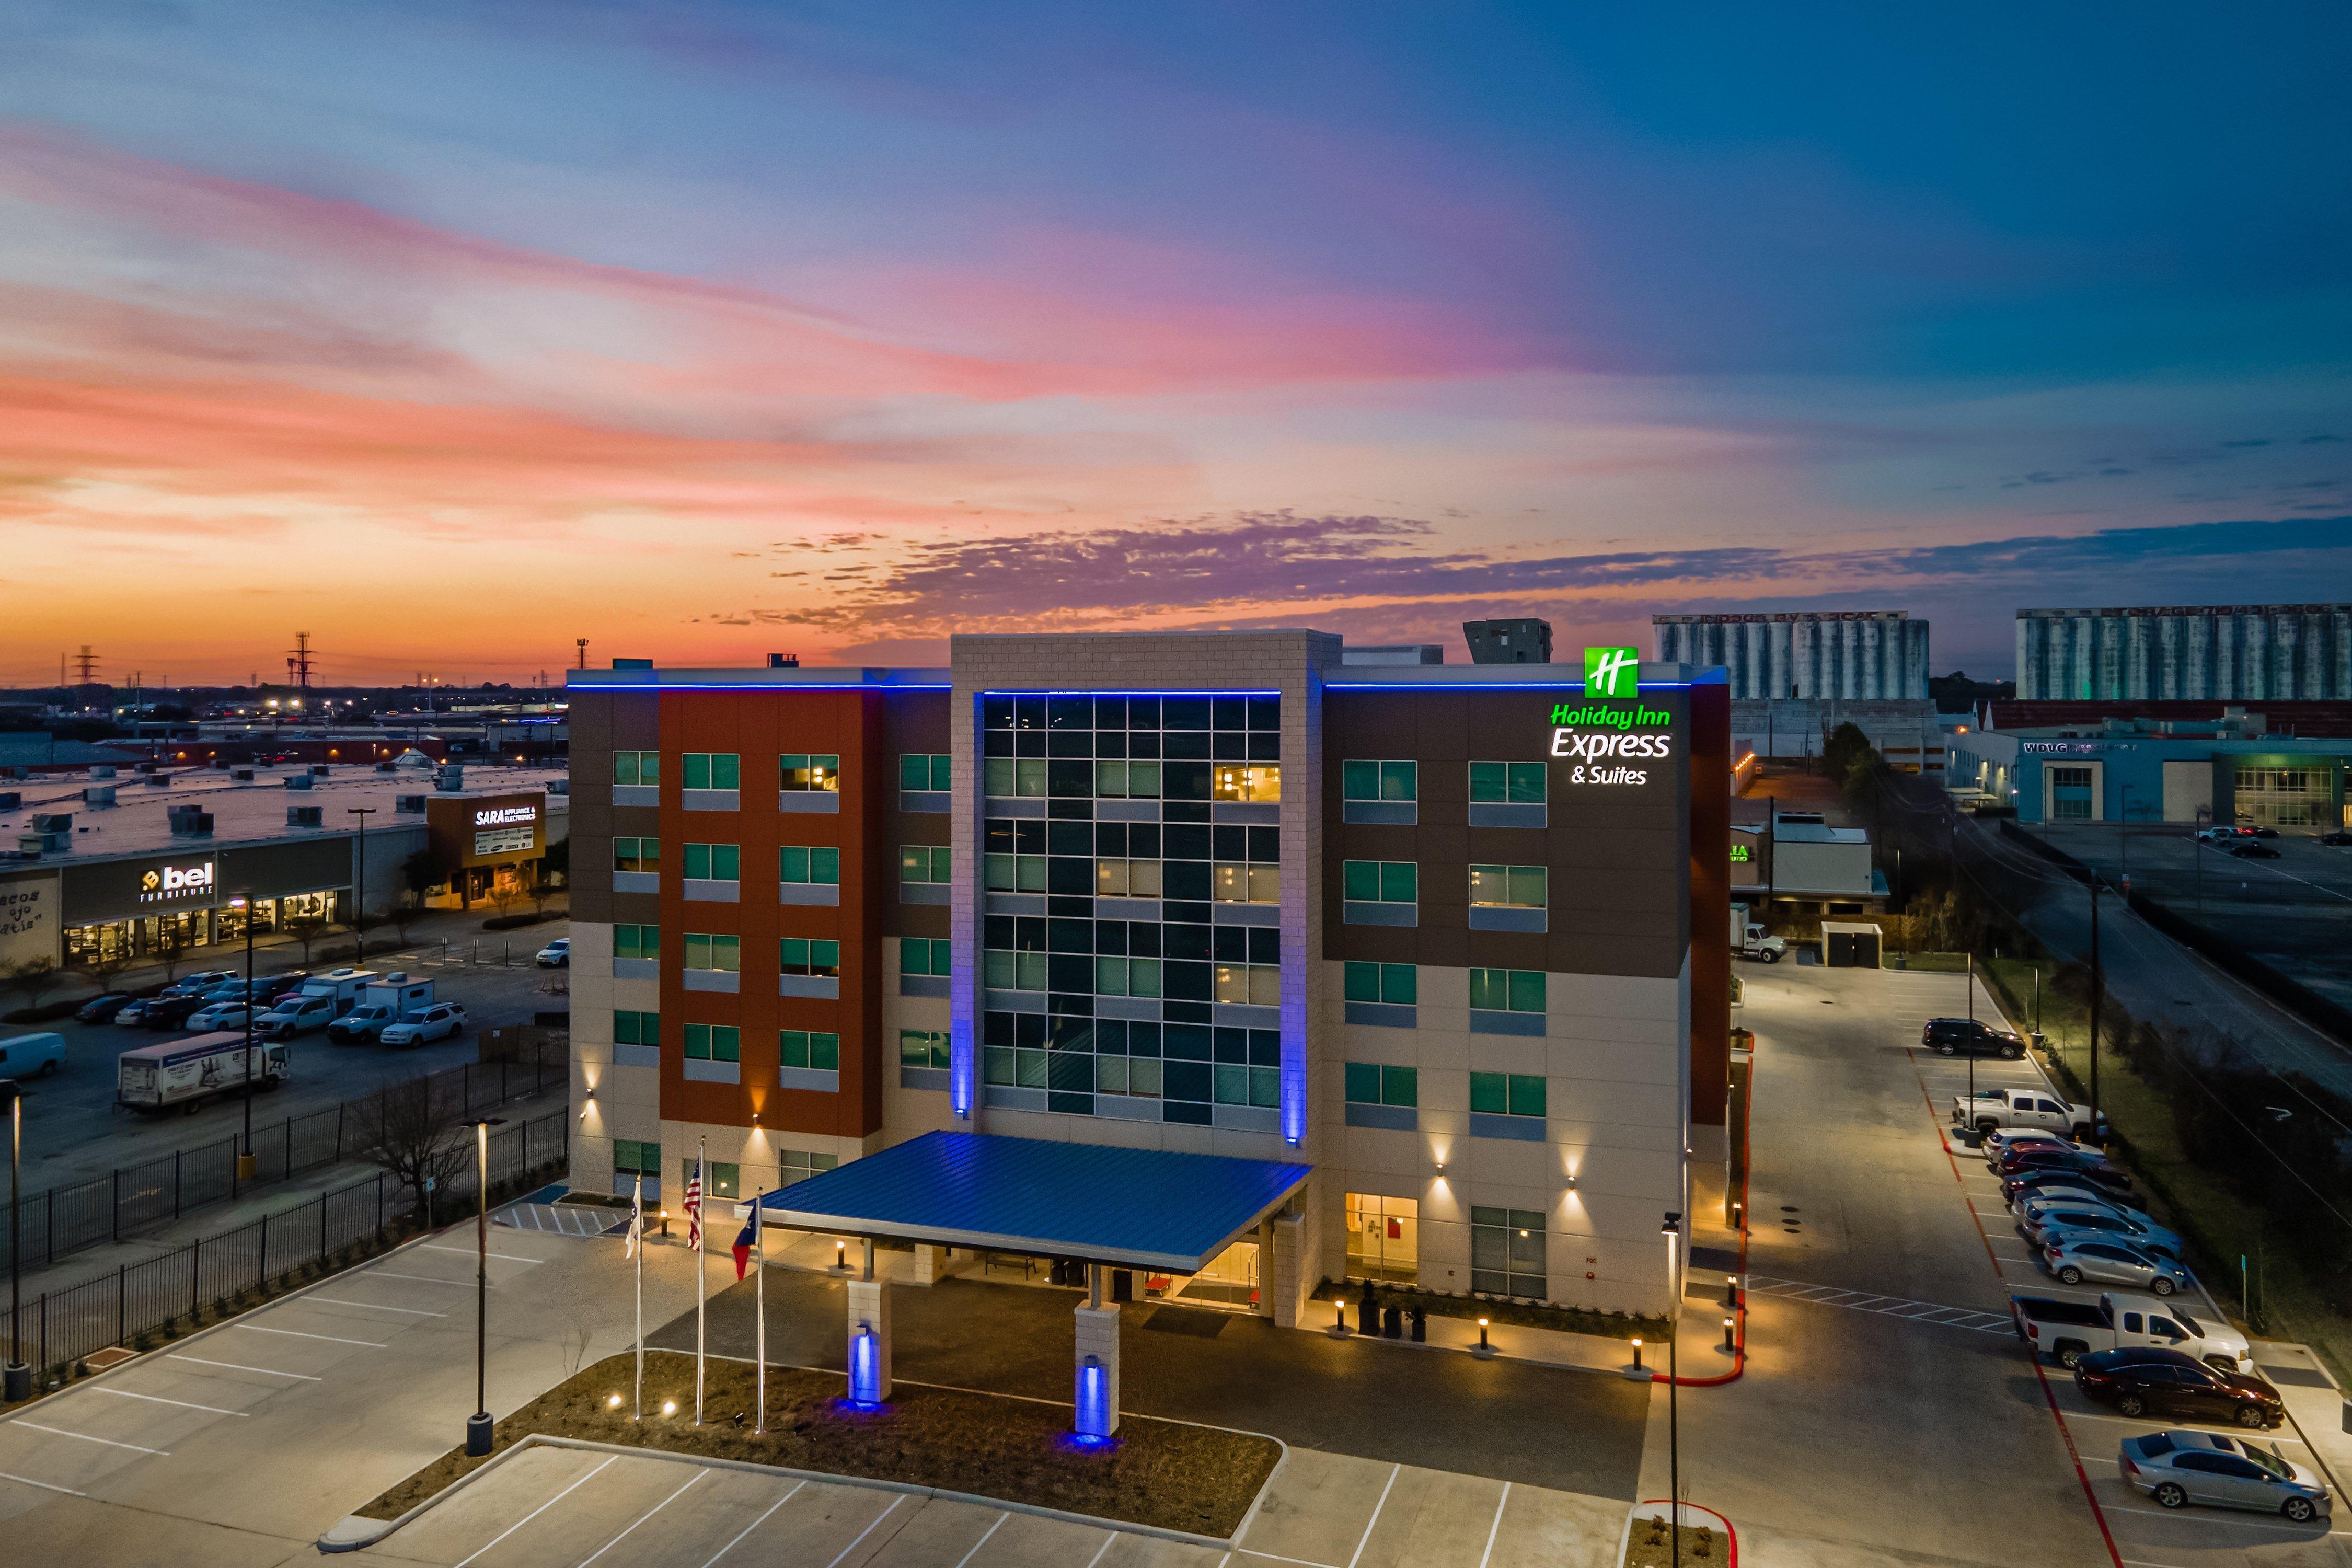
x: 1144, y: 1208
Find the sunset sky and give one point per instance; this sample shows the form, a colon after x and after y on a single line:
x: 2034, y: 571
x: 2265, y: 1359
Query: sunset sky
x: 450, y: 333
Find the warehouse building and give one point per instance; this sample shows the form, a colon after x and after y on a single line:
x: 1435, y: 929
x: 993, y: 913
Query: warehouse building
x: 2186, y: 653
x: 2192, y: 773
x: 1401, y: 953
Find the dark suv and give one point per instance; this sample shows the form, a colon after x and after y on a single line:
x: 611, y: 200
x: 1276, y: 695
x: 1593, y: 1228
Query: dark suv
x: 1966, y: 1037
x: 2143, y: 1379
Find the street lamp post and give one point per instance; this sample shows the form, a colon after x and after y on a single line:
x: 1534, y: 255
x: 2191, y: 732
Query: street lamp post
x: 2097, y: 986
x: 477, y: 1425
x: 17, y: 1380
x: 245, y: 1161
x: 358, y: 883
x: 1673, y: 1230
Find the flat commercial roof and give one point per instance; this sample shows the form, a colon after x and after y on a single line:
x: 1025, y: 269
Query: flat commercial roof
x: 1145, y: 1208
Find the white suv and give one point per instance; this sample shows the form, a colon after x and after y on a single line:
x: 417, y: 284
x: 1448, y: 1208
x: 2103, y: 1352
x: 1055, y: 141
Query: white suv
x: 435, y: 1023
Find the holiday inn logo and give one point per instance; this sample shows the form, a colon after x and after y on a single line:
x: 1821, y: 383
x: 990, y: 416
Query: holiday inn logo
x: 1611, y: 671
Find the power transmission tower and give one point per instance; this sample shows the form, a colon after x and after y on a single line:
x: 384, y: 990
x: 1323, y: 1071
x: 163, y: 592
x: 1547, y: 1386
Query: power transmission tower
x: 86, y: 666
x: 297, y: 664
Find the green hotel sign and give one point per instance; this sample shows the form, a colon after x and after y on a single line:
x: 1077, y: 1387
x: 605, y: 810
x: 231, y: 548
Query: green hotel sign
x: 1611, y: 671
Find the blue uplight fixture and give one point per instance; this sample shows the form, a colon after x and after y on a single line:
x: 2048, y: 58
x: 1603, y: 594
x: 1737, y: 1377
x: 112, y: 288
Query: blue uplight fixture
x: 1092, y: 1402
x: 864, y: 1367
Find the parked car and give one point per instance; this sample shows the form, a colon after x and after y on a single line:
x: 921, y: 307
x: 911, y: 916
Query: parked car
x: 103, y: 1009
x: 2070, y: 1330
x: 219, y: 1016
x: 2251, y: 850
x: 1968, y: 1036
x: 169, y: 1012
x: 2109, y: 1181
x: 2180, y: 1466
x: 295, y: 1016
x: 2339, y: 839
x: 436, y: 1022
x: 196, y: 983
x: 1992, y: 1107
x: 2104, y: 1261
x: 2063, y: 1184
x: 2046, y: 1224
x: 278, y: 988
x: 2221, y: 834
x: 2261, y: 832
x: 556, y: 954
x: 226, y: 991
x: 2002, y: 1140
x: 2137, y: 1381
x: 2044, y: 1158
x: 364, y: 1022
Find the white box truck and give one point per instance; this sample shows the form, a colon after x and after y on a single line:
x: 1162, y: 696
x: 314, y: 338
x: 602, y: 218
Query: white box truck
x: 342, y: 986
x: 185, y: 1073
x: 382, y: 1002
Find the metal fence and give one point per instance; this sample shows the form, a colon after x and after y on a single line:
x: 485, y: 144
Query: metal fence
x: 61, y: 1221
x: 62, y: 1326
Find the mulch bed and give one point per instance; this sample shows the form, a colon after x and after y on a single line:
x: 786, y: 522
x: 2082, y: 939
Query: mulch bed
x: 1652, y: 1546
x: 1163, y: 1473
x: 1527, y: 1314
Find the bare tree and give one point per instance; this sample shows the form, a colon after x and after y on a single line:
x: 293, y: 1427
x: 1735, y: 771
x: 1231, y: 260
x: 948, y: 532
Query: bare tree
x: 171, y: 944
x: 304, y: 928
x: 407, y: 906
x: 105, y: 965
x: 31, y: 978
x: 505, y: 894
x: 415, y: 1131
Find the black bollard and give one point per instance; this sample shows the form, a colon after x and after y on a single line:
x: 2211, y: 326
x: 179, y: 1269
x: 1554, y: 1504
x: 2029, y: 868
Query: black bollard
x: 1392, y: 1323
x: 1420, y: 1325
x: 1368, y: 1311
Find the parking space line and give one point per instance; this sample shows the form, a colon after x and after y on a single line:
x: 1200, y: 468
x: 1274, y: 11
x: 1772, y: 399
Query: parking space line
x: 298, y: 1334
x: 1108, y: 1536
x: 371, y: 1305
x: 1495, y: 1526
x: 2217, y: 1520
x: 642, y: 1518
x: 422, y: 1278
x: 44, y: 1486
x: 852, y: 1545
x: 534, y: 1513
x: 61, y: 1432
x: 158, y: 1399
x: 1370, y: 1523
x: 470, y: 1252
x: 976, y: 1546
x: 753, y: 1525
x: 235, y: 1367
x: 1278, y: 1557
x: 1932, y: 1312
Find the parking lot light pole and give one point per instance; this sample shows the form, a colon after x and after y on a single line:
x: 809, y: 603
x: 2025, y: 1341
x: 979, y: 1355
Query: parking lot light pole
x: 1673, y: 1231
x: 16, y: 1381
x: 2097, y: 986
x: 245, y: 1161
x: 359, y: 884
x: 477, y: 1425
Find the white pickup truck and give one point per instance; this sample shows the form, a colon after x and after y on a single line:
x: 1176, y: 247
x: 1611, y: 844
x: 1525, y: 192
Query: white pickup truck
x: 2071, y: 1330
x: 2011, y: 1107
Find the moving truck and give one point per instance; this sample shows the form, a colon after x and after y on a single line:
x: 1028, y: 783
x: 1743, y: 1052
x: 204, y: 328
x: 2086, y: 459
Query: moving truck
x: 382, y: 1002
x: 186, y: 1073
x: 342, y: 986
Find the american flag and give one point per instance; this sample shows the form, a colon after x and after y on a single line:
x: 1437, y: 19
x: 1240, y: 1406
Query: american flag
x: 694, y: 1206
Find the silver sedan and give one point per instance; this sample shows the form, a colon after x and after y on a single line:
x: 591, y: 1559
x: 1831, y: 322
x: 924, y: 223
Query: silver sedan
x: 2178, y: 1467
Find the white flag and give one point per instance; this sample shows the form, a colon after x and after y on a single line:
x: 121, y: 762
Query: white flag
x: 636, y: 1218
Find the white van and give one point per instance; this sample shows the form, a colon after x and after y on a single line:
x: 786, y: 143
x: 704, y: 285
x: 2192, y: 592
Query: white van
x: 31, y: 1055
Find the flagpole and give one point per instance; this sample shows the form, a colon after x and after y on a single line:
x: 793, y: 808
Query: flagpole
x: 638, y: 1239
x: 760, y: 1294
x: 701, y: 1275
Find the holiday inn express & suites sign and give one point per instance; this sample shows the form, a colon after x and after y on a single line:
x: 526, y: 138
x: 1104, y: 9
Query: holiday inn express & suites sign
x: 1601, y: 737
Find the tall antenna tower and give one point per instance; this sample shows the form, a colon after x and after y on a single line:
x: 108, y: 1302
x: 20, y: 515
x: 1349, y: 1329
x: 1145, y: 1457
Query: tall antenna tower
x: 297, y: 664
x: 86, y: 666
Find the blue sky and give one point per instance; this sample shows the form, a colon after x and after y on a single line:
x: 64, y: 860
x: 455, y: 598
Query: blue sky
x: 854, y: 326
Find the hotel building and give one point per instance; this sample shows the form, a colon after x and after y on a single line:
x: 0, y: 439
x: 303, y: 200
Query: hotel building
x: 1427, y: 930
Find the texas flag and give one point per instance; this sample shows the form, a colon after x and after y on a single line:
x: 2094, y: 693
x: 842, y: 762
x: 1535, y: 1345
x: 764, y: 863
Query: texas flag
x: 745, y: 1240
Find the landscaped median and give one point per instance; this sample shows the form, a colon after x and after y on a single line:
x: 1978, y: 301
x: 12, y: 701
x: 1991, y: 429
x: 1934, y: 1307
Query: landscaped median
x: 1165, y: 1475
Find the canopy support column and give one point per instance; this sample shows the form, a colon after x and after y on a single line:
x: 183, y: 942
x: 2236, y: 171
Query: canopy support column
x: 1096, y: 1395
x: 869, y: 1336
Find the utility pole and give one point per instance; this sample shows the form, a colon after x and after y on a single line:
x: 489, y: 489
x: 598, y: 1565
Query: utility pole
x: 358, y: 883
x: 2097, y: 986
x: 583, y: 652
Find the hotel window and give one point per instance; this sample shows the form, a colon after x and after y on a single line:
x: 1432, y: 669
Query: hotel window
x: 1253, y: 985
x: 1507, y: 784
x: 1127, y: 878
x: 1508, y: 990
x: 1006, y: 971
x: 637, y: 855
x: 1007, y: 778
x: 1379, y: 781
x: 636, y: 942
x: 1126, y: 977
x: 799, y: 1165
x: 1258, y: 883
x: 1507, y: 1253
x: 796, y: 956
x: 714, y: 863
x: 726, y: 1180
x: 1128, y: 781
x: 923, y: 1048
x: 799, y: 1048
x: 809, y: 773
x: 714, y: 1043
x: 1399, y: 984
x: 1507, y: 1094
x: 712, y: 770
x: 637, y: 1028
x: 636, y: 768
x: 925, y: 863
x: 1380, y: 882
x: 637, y: 1157
x: 925, y: 955
x: 1369, y: 1083
x: 1240, y: 783
x: 722, y: 952
x: 925, y: 770
x: 1509, y: 887
x: 814, y: 863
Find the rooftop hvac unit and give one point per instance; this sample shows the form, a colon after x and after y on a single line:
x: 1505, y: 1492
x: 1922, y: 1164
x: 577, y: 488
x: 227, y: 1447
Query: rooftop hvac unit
x: 101, y: 771
x: 159, y: 781
x: 97, y: 795
x: 143, y: 767
x: 387, y: 767
x: 298, y: 780
x: 558, y: 786
x: 408, y: 803
x: 32, y: 846
x: 191, y: 824
x: 242, y: 775
x: 305, y: 816
x: 449, y: 780
x: 10, y: 800
x: 318, y: 770
x: 53, y: 821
